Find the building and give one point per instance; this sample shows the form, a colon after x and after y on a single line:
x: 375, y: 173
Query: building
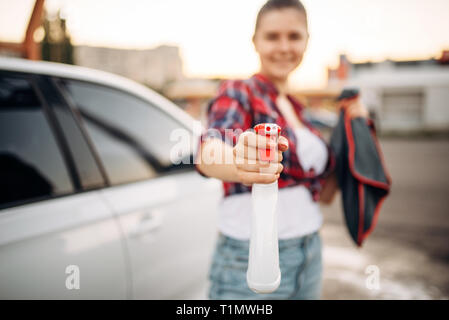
x: 405, y: 95
x: 192, y: 95
x: 153, y: 67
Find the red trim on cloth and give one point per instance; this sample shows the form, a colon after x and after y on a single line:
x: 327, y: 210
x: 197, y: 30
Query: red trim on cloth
x: 358, y: 176
x: 361, y: 215
x: 373, y: 223
x: 363, y: 180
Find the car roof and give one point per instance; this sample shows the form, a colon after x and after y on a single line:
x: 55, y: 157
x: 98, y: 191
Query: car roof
x: 98, y: 77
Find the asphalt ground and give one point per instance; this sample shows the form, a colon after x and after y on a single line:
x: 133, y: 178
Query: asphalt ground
x: 407, y: 255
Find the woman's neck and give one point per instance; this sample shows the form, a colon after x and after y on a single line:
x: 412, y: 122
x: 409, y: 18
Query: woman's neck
x: 280, y: 84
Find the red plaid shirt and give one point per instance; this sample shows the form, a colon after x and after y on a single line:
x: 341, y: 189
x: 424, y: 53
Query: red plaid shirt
x: 241, y: 104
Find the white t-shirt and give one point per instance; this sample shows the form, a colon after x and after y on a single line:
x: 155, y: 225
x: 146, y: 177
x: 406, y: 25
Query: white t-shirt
x: 297, y: 213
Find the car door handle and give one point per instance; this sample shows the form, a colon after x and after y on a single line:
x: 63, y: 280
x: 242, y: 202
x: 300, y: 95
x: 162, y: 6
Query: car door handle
x: 149, y: 223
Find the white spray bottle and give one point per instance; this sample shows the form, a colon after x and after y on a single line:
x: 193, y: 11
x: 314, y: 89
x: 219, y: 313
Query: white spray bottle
x: 264, y: 275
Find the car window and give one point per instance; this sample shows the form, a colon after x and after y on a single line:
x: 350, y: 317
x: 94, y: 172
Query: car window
x: 31, y: 164
x: 131, y: 136
x: 85, y: 164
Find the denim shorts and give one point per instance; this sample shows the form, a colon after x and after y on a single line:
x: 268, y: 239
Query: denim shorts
x: 299, y: 261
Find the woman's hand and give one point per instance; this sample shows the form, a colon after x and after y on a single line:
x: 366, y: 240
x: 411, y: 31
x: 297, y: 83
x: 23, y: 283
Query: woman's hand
x: 250, y: 169
x: 356, y: 109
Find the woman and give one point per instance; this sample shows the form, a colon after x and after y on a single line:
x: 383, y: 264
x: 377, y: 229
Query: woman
x: 303, y: 166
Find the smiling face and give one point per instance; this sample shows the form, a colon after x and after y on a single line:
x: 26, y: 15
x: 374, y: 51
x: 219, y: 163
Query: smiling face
x: 281, y: 40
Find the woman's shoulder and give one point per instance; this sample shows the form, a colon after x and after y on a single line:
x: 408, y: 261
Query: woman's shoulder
x: 233, y: 86
x: 235, y: 89
x: 255, y: 86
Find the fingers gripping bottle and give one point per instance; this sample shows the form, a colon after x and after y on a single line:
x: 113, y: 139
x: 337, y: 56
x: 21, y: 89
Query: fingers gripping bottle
x: 263, y: 275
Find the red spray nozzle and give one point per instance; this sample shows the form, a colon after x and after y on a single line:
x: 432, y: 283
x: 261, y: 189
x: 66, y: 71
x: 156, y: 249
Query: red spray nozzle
x: 268, y: 129
x: 271, y: 131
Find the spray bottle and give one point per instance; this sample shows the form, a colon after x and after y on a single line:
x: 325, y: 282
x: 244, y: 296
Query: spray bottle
x: 264, y: 275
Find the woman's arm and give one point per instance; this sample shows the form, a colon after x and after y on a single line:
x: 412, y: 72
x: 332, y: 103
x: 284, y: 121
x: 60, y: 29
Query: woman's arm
x: 329, y: 190
x: 241, y: 164
x: 217, y: 161
x: 354, y: 109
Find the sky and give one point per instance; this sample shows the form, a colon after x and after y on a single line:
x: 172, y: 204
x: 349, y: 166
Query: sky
x: 214, y: 36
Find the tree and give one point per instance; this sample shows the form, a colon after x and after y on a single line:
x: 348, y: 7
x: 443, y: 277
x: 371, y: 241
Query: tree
x: 56, y: 45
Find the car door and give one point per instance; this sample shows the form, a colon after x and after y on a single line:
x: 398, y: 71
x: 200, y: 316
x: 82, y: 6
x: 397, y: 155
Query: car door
x: 166, y: 211
x: 58, y: 238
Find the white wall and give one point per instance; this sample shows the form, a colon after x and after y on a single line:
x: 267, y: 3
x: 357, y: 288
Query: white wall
x: 436, y: 111
x: 432, y: 81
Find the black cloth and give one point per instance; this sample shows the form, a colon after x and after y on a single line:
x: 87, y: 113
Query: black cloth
x: 362, y: 176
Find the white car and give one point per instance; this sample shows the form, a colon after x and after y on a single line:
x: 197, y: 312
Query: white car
x: 91, y: 206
